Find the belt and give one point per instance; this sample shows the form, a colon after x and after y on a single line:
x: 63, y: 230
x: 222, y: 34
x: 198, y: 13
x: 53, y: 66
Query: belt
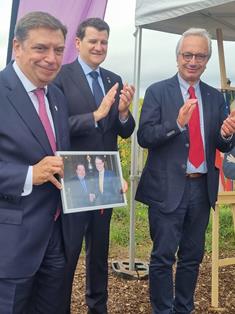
x: 194, y: 175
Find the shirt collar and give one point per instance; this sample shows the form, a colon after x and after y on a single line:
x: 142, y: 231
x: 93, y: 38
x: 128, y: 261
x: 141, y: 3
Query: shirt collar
x: 86, y: 68
x: 184, y: 85
x: 28, y: 85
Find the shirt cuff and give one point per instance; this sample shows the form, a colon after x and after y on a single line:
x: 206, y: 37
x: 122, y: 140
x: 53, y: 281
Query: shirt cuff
x: 227, y: 139
x: 180, y: 127
x: 28, y: 185
x: 123, y: 121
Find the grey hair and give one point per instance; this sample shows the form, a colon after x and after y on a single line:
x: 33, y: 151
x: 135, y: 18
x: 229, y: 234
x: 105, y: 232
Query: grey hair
x: 34, y: 20
x: 195, y: 32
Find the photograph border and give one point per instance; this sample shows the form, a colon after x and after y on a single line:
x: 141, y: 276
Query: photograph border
x: 77, y: 154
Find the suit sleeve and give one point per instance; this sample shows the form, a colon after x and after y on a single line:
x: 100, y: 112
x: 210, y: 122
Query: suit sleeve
x: 126, y: 129
x: 123, y: 129
x: 154, y: 128
x: 12, y: 180
x: 222, y: 144
x: 79, y: 124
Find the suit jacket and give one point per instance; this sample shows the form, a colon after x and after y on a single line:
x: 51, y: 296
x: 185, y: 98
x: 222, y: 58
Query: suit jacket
x: 111, y: 189
x: 81, y: 105
x: 26, y: 222
x: 78, y: 196
x: 163, y: 179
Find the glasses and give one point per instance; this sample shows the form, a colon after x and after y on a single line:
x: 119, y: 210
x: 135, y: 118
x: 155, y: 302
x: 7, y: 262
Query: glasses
x: 199, y: 57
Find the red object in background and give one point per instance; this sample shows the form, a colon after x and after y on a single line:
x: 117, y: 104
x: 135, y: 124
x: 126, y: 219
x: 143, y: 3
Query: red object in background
x: 227, y: 184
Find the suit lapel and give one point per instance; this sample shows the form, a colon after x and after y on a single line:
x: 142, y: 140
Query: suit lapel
x: 28, y: 114
x: 80, y: 81
x: 20, y: 100
x: 55, y: 116
x: 206, y: 111
x: 177, y: 98
x: 107, y: 80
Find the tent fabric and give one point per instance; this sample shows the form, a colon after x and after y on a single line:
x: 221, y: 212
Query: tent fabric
x: 70, y: 12
x: 176, y: 16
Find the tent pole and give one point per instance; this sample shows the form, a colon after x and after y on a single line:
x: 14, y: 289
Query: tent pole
x: 134, y: 148
x: 14, y: 13
x: 223, y: 76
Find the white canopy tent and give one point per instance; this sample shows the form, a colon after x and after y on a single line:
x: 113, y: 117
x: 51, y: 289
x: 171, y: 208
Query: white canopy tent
x: 175, y: 16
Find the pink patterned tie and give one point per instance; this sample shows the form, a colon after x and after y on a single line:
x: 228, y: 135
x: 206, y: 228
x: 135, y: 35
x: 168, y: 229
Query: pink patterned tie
x: 40, y: 93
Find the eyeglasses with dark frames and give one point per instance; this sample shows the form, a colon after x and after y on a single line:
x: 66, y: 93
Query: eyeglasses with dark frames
x: 199, y: 57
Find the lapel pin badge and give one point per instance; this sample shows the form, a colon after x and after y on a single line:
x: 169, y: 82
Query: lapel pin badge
x: 56, y: 108
x: 108, y: 79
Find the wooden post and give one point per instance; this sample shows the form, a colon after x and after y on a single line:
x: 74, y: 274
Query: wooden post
x: 223, y: 76
x: 227, y: 198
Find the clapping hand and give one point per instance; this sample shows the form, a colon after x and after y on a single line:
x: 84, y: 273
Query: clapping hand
x: 230, y: 158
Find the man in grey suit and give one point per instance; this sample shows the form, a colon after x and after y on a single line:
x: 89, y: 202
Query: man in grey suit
x: 182, y: 123
x: 95, y: 125
x: 33, y: 124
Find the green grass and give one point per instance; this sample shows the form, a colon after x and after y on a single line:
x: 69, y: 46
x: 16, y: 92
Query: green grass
x: 119, y: 238
x: 226, y: 234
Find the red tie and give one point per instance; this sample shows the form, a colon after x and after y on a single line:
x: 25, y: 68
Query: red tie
x: 39, y: 93
x: 196, y: 150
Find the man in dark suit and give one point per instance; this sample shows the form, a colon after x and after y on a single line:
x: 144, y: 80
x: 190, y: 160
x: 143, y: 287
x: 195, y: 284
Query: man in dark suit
x: 108, y: 186
x: 82, y: 191
x: 32, y: 257
x: 179, y: 182
x: 95, y: 125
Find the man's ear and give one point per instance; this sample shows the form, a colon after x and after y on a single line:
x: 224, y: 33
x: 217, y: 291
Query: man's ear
x: 16, y: 47
x: 77, y: 43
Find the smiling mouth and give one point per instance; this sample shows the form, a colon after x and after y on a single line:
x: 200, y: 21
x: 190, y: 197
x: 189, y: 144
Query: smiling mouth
x: 49, y: 70
x: 192, y: 70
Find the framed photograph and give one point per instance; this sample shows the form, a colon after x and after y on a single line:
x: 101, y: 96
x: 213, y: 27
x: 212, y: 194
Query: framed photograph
x: 92, y: 180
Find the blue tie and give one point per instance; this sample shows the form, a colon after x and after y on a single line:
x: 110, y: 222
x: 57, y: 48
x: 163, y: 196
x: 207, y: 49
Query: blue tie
x: 83, y: 183
x: 96, y: 88
x: 97, y: 92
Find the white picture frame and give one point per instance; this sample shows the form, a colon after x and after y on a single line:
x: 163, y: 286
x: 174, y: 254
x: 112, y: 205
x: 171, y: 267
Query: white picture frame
x: 78, y: 196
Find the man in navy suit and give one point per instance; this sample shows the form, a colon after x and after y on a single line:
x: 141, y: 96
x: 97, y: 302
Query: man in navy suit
x: 32, y: 257
x: 94, y: 126
x: 180, y: 187
x: 82, y: 191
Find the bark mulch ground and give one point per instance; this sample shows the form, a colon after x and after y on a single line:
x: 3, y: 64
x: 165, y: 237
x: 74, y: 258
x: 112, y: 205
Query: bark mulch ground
x: 131, y: 296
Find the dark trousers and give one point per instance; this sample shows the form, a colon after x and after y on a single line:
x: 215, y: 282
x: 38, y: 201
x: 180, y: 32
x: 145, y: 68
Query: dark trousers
x: 181, y: 232
x: 95, y: 227
x: 42, y: 292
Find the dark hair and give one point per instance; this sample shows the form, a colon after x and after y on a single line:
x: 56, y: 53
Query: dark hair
x: 37, y: 19
x: 95, y: 22
x: 80, y: 164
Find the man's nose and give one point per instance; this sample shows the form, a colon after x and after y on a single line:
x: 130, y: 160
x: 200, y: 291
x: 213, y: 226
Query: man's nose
x: 98, y: 46
x: 193, y: 60
x: 51, y: 56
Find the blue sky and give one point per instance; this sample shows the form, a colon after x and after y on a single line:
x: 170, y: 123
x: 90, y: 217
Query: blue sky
x: 158, y: 48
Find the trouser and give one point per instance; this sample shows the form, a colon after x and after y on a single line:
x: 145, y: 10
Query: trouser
x: 40, y: 293
x: 183, y: 232
x: 94, y: 226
